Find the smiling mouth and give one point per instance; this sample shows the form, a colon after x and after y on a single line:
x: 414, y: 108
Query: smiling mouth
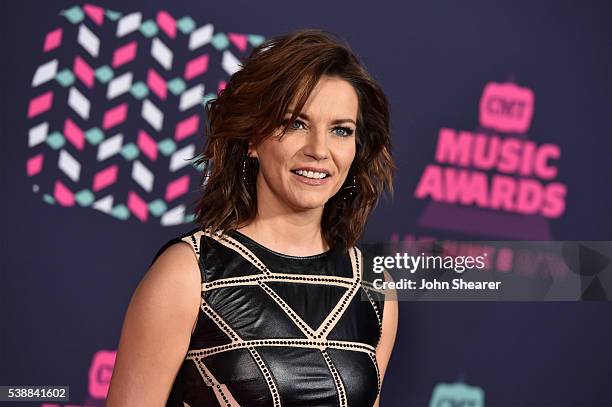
x: 311, y: 174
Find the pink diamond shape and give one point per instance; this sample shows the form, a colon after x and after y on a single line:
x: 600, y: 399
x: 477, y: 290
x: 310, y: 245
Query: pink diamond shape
x: 147, y: 145
x: 124, y: 54
x: 53, y: 40
x: 177, y: 188
x: 105, y: 177
x: 95, y: 13
x: 34, y: 164
x: 167, y: 23
x: 239, y: 40
x: 195, y: 67
x: 83, y: 71
x: 40, y: 104
x: 114, y: 116
x: 187, y: 127
x: 157, y: 84
x: 74, y: 134
x: 138, y: 206
x: 62, y: 194
x: 222, y: 85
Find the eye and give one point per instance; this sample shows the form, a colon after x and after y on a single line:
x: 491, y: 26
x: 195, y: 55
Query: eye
x: 295, y: 125
x: 343, y: 131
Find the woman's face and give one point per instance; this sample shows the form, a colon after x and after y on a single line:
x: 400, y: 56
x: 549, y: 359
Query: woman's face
x: 309, y: 164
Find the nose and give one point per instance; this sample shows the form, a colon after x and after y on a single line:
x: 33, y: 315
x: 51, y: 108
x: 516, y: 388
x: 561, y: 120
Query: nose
x: 316, y: 144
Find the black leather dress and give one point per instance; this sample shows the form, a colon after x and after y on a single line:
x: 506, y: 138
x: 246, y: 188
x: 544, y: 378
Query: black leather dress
x: 279, y: 330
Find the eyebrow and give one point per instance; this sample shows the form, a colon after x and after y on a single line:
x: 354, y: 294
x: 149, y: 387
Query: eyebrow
x: 337, y: 121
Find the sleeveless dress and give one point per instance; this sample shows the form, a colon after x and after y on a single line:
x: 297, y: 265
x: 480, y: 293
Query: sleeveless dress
x: 279, y: 330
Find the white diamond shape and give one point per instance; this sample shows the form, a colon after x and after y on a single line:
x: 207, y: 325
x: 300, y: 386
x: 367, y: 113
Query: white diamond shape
x: 88, y: 40
x: 174, y: 216
x: 79, y: 103
x: 191, y: 97
x: 69, y: 164
x: 230, y: 63
x: 128, y: 24
x: 201, y: 36
x: 44, y: 73
x: 143, y: 176
x: 119, y: 85
x: 182, y: 157
x: 161, y: 53
x: 38, y: 134
x: 110, y: 147
x: 105, y: 204
x: 152, y: 114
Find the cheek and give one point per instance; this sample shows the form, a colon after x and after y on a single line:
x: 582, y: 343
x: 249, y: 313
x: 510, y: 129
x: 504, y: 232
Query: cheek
x: 347, y: 157
x: 273, y: 157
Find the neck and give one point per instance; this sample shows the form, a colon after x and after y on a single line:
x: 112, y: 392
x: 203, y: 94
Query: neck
x: 287, y: 231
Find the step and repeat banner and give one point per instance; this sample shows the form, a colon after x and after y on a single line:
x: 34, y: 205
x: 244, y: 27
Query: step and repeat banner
x: 501, y: 129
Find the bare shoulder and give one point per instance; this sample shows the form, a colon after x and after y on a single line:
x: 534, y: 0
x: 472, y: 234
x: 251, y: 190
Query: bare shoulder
x: 157, y: 329
x: 178, y: 262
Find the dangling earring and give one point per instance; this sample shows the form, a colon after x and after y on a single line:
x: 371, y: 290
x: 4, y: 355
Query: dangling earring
x: 249, y: 168
x: 349, y: 190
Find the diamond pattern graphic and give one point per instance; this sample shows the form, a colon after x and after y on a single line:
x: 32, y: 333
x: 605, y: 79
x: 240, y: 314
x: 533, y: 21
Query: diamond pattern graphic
x: 38, y: 134
x: 161, y: 53
x: 70, y: 166
x: 53, y: 40
x: 119, y: 85
x: 129, y: 24
x: 88, y: 40
x: 152, y: 114
x: 79, y: 103
x: 143, y: 176
x: 116, y: 109
x: 44, y: 73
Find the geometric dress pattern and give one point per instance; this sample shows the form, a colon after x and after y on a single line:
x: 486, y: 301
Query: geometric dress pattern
x: 279, y: 330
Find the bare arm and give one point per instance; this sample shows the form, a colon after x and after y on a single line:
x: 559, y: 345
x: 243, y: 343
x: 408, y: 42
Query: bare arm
x: 156, y: 331
x: 389, y: 330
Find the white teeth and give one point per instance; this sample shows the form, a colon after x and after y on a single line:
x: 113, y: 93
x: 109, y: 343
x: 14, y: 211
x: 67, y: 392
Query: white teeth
x: 311, y: 174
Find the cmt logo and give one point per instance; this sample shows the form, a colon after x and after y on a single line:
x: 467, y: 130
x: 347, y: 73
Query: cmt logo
x: 99, y: 376
x: 456, y: 395
x: 100, y: 373
x: 506, y: 107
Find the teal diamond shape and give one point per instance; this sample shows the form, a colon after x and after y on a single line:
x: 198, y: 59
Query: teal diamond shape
x: 104, y: 73
x: 220, y: 41
x: 189, y: 218
x: 157, y: 207
x: 48, y: 199
x: 84, y: 197
x: 176, y: 86
x: 166, y: 146
x: 130, y: 151
x: 65, y: 77
x: 186, y: 24
x: 256, y: 40
x: 56, y: 140
x: 148, y: 28
x: 74, y: 14
x: 120, y: 212
x: 94, y: 135
x: 113, y: 15
x: 139, y: 90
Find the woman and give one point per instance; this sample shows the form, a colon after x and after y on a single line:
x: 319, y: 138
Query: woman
x: 267, y: 304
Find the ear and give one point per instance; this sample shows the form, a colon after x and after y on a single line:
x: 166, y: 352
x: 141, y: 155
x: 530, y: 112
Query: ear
x: 251, y: 151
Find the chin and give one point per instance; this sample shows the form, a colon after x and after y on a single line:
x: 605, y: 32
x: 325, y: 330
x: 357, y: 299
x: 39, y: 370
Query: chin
x: 309, y: 203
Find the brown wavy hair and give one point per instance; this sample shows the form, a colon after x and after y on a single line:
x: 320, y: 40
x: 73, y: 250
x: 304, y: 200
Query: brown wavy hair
x: 252, y: 107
